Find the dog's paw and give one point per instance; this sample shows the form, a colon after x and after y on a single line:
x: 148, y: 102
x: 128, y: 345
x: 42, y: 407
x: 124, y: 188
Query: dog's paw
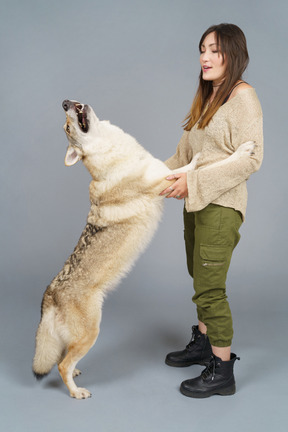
x: 76, y: 372
x: 193, y: 163
x: 80, y: 393
x: 247, y: 149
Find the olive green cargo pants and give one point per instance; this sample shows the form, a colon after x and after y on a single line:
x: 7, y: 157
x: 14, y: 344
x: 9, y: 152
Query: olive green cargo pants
x: 210, y: 236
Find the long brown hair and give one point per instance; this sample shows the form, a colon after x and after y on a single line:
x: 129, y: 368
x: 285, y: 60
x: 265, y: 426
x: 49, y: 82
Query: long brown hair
x: 232, y: 46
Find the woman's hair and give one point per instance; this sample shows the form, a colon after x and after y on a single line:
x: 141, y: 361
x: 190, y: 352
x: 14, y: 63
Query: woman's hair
x: 232, y: 46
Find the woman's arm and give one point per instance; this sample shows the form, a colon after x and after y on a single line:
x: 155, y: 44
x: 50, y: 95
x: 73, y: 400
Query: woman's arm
x: 207, y: 184
x: 183, y: 154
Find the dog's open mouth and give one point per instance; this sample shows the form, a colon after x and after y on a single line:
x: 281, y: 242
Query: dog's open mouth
x: 81, y: 111
x: 82, y: 116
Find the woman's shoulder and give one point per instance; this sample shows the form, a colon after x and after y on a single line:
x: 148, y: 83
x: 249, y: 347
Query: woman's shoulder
x: 239, y: 88
x: 245, y: 102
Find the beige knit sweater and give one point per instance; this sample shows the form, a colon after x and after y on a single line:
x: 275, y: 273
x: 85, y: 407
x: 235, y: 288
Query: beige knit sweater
x: 237, y: 121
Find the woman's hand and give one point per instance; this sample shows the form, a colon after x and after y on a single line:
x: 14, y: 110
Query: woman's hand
x: 178, y: 189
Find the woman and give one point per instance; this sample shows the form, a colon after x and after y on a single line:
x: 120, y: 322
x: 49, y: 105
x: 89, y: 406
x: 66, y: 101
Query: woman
x: 225, y: 114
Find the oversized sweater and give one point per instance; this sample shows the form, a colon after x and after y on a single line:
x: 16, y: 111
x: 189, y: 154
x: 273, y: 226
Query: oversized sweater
x: 237, y: 121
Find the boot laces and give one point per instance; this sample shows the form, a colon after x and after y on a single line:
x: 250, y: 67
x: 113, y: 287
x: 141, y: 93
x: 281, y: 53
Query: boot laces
x: 193, y: 338
x: 209, y: 371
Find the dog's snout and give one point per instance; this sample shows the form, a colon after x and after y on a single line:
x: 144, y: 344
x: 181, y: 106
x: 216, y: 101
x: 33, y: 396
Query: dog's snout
x: 66, y: 105
x: 71, y: 104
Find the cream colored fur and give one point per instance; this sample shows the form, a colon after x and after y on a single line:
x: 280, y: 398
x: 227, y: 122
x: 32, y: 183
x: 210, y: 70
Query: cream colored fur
x: 125, y: 210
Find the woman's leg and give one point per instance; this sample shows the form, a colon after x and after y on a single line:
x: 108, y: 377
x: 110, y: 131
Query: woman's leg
x: 198, y: 350
x: 224, y: 353
x: 202, y: 327
x: 216, y: 235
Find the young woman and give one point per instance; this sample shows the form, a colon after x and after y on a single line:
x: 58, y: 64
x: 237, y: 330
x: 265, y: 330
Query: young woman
x: 225, y: 114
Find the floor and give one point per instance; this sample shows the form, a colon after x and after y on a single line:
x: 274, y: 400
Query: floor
x: 132, y: 388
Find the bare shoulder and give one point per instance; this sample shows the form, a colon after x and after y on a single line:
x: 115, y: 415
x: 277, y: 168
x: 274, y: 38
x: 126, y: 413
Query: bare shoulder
x: 247, y: 98
x: 240, y: 88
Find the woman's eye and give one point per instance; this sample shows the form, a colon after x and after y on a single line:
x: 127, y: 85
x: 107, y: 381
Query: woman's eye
x: 68, y: 129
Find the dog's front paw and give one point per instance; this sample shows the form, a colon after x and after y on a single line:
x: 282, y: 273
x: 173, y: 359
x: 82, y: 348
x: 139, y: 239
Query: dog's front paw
x: 248, y: 148
x: 194, y: 161
x: 80, y: 393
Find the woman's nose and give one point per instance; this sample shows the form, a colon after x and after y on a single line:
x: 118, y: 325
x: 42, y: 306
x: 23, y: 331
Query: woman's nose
x: 204, y: 57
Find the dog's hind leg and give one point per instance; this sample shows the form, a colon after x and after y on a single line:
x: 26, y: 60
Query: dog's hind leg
x: 75, y: 352
x: 86, y: 325
x: 76, y: 372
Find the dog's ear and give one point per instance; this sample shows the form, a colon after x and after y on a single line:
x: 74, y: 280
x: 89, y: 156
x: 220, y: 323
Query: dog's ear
x: 71, y: 157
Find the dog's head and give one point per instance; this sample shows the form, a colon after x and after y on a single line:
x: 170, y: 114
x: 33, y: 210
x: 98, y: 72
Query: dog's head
x: 80, y: 122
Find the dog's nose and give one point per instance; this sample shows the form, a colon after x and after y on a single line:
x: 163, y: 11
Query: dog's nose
x: 66, y: 104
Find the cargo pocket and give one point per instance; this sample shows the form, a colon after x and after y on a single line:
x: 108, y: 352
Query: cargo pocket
x: 213, y: 255
x: 214, y: 263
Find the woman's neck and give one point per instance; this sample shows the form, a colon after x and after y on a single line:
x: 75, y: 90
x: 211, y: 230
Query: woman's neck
x: 214, y: 91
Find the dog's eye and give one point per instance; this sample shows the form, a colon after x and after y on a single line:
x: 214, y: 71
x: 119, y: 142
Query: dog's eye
x: 68, y: 129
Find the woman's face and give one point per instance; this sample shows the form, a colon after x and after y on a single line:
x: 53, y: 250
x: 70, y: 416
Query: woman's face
x: 211, y: 60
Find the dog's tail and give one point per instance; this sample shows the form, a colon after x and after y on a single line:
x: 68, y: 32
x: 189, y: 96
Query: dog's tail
x: 49, y: 347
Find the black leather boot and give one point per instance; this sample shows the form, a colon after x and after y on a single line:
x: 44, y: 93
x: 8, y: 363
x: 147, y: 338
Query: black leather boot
x: 198, y: 351
x: 217, y: 378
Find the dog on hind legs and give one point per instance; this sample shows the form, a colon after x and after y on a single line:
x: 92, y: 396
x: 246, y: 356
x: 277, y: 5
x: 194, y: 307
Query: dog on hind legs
x: 125, y: 210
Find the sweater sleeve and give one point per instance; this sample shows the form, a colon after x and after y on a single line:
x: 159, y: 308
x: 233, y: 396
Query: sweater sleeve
x: 207, y: 184
x: 183, y: 154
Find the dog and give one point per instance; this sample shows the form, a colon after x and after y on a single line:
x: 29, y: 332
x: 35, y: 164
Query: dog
x: 125, y: 210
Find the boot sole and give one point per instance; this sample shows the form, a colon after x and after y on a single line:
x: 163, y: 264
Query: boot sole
x: 186, y: 364
x: 228, y: 391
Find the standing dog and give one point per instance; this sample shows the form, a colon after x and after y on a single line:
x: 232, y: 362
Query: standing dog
x: 125, y: 210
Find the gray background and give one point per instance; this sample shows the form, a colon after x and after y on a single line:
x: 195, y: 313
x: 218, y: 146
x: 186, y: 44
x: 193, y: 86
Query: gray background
x: 136, y: 62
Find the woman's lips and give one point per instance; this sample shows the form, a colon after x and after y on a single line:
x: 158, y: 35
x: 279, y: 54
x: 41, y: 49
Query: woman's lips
x: 206, y: 68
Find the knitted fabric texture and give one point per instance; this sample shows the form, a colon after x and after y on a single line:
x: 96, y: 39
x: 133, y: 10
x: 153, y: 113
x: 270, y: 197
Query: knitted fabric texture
x: 237, y: 121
